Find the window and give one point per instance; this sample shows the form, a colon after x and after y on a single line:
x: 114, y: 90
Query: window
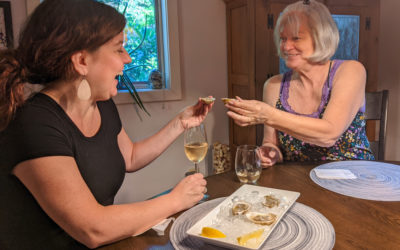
x: 152, y: 42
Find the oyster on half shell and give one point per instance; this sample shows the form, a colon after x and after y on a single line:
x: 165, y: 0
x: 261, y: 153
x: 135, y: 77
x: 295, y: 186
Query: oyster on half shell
x: 240, y: 207
x: 261, y: 218
x: 226, y: 100
x: 207, y: 100
x: 271, y: 201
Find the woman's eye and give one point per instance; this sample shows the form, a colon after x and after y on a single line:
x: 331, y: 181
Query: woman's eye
x: 283, y: 39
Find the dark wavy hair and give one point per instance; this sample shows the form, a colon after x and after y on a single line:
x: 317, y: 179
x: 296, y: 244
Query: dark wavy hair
x: 52, y: 34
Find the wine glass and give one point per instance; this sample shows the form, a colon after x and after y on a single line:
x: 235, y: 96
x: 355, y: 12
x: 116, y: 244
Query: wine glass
x: 247, y: 164
x: 196, y: 146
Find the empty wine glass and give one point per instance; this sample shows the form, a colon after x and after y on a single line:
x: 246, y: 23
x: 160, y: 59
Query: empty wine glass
x: 247, y: 164
x: 196, y: 146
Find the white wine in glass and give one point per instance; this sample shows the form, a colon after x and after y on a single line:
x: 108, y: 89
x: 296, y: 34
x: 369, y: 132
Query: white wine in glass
x: 196, y: 146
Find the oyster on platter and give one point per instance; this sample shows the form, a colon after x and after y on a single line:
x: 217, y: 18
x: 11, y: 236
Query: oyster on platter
x: 261, y: 218
x: 240, y: 207
x: 271, y: 201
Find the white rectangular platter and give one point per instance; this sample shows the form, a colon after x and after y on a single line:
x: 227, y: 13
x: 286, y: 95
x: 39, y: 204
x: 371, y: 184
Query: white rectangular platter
x: 234, y: 226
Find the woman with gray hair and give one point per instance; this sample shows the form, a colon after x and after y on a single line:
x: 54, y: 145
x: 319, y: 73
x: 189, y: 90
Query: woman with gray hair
x: 315, y: 111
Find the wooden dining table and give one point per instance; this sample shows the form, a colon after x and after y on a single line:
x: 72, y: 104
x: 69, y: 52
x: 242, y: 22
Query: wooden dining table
x: 358, y: 223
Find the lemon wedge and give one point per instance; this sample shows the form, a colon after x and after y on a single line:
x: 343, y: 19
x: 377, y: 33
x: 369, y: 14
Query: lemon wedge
x: 212, y: 233
x: 242, y: 240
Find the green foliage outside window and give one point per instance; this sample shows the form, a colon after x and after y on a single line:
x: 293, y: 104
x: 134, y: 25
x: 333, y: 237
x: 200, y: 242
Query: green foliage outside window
x: 140, y: 35
x: 140, y: 42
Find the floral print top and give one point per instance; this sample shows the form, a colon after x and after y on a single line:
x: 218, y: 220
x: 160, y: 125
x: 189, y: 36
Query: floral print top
x: 352, y: 145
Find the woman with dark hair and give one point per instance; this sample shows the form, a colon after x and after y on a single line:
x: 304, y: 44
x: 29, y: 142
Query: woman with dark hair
x: 315, y: 111
x: 63, y: 151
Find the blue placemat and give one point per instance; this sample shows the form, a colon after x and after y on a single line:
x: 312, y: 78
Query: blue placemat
x: 375, y: 180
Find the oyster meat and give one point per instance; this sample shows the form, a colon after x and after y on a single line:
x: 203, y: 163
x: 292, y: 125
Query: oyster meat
x: 226, y: 100
x: 240, y: 207
x: 261, y: 218
x: 271, y: 201
x: 207, y: 100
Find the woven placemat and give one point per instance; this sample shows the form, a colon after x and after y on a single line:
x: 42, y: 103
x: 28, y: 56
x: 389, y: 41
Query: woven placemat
x: 302, y: 227
x: 375, y: 180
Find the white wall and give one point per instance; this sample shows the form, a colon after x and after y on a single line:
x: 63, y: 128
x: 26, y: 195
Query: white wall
x: 204, y: 72
x: 389, y: 72
x: 202, y: 29
x: 18, y: 14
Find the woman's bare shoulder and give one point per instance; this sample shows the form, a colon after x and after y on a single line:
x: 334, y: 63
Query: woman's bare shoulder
x: 352, y: 66
x: 274, y: 80
x: 271, y: 89
x: 350, y: 71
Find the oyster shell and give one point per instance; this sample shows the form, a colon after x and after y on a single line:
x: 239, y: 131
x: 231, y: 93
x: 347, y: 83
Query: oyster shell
x: 261, y: 218
x: 226, y: 100
x: 271, y: 201
x: 240, y: 207
x: 207, y: 100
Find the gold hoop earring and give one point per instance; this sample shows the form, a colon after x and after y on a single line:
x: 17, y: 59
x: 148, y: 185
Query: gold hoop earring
x: 84, y: 91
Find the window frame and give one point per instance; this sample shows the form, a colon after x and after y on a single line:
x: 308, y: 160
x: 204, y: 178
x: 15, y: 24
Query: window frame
x: 170, y: 48
x: 173, y: 89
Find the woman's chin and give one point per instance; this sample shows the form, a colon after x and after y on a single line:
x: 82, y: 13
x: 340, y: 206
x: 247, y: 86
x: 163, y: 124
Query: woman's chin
x: 292, y: 64
x: 113, y: 93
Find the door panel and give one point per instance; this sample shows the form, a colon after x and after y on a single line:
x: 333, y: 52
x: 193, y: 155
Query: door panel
x: 252, y: 56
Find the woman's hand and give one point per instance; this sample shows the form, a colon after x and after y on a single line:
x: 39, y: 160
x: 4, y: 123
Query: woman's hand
x: 248, y: 112
x: 189, y: 191
x: 269, y: 155
x: 194, y: 115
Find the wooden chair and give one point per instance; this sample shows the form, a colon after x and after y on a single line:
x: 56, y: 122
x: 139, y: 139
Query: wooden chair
x: 376, y: 109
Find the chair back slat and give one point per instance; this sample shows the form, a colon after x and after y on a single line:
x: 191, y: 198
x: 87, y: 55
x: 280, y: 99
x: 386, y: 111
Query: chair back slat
x: 376, y: 105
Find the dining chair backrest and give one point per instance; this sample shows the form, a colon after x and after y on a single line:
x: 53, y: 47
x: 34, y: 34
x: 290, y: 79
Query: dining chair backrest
x: 376, y: 109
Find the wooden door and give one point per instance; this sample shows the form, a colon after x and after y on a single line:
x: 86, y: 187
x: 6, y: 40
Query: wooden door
x: 241, y: 51
x: 252, y: 56
x: 368, y: 12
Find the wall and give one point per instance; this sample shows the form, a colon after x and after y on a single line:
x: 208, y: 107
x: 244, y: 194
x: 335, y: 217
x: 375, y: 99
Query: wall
x: 203, y: 72
x: 389, y: 72
x: 18, y: 13
x: 202, y: 29
x: 203, y: 69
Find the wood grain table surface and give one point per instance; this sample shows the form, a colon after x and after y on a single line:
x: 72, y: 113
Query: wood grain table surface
x: 358, y: 223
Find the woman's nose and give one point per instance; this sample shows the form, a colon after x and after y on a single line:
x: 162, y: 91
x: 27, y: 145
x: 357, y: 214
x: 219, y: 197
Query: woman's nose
x: 127, y: 58
x: 287, y: 45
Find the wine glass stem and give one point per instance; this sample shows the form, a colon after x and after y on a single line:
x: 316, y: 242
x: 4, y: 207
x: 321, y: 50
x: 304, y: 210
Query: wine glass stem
x: 196, y: 168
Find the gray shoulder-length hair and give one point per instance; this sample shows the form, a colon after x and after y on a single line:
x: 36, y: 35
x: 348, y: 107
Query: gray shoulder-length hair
x: 323, y: 29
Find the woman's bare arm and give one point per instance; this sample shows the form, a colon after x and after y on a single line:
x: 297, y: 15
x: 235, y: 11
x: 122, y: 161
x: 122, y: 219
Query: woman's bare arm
x: 270, y: 96
x: 347, y: 96
x: 60, y: 190
x: 138, y: 154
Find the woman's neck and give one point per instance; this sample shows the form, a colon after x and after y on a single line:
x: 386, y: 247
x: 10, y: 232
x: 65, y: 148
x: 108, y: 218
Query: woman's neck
x: 313, y: 75
x: 65, y: 94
